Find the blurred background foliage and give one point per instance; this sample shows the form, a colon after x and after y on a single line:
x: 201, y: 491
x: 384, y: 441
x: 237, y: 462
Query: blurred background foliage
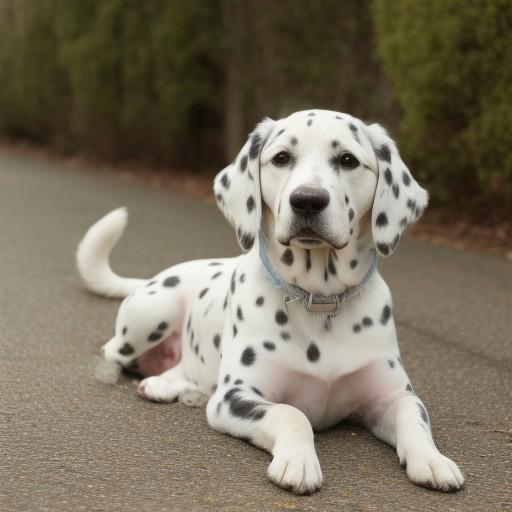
x: 180, y: 82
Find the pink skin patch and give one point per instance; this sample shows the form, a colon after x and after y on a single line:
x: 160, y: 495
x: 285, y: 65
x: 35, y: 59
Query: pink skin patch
x: 164, y: 356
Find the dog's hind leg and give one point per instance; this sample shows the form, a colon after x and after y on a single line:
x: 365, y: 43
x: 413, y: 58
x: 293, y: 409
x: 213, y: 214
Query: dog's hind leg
x: 148, y: 330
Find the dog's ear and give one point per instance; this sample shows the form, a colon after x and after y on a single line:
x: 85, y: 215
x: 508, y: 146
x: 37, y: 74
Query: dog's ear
x: 237, y: 187
x: 399, y: 200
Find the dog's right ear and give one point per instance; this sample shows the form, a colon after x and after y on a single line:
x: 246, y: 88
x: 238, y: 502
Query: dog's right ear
x: 237, y: 187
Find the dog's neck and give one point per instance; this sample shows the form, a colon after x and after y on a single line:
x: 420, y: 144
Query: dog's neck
x: 322, y: 270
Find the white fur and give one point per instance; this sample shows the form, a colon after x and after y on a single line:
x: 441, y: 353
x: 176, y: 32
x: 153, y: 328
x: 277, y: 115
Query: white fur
x: 274, y: 373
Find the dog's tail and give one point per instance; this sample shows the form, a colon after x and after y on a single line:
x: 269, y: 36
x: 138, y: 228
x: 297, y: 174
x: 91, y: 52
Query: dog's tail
x: 93, y: 253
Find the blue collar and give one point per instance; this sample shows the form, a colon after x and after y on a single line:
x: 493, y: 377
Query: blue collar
x: 315, y: 303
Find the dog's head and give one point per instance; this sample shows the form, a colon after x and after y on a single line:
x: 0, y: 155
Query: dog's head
x: 317, y: 174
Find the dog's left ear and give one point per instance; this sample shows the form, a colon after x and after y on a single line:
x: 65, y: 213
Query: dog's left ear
x: 237, y: 187
x: 399, y: 200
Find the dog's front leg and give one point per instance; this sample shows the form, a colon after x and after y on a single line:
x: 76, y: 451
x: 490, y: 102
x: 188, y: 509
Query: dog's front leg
x: 281, y: 429
x: 403, y: 422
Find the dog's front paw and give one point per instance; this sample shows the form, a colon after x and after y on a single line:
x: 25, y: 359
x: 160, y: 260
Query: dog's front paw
x: 297, y: 471
x: 433, y: 470
x: 157, y: 389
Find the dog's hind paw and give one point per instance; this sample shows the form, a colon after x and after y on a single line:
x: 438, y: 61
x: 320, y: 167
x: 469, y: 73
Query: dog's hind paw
x: 193, y: 398
x: 158, y: 389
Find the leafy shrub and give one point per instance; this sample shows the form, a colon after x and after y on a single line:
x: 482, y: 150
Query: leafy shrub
x: 450, y: 65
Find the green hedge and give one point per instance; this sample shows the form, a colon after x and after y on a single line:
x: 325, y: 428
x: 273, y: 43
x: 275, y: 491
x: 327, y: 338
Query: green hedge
x: 450, y: 65
x: 180, y: 82
x: 122, y: 78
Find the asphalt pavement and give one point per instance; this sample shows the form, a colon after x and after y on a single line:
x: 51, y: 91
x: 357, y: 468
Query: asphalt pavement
x: 68, y: 442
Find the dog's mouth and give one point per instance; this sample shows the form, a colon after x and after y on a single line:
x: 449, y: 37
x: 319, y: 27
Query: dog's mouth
x: 308, y: 236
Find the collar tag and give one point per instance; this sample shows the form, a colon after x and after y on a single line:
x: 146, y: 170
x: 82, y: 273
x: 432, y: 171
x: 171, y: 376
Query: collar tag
x: 323, y: 304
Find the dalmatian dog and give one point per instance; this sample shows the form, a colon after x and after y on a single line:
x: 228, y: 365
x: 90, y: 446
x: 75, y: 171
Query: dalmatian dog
x: 297, y: 333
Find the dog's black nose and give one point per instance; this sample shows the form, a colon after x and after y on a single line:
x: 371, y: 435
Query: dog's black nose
x: 307, y: 200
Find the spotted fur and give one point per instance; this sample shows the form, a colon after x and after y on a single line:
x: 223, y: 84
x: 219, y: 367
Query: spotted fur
x: 219, y: 331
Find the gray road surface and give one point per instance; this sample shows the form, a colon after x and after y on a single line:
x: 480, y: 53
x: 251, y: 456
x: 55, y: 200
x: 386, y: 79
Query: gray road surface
x: 70, y: 443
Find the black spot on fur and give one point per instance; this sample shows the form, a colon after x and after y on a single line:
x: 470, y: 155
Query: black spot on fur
x: 246, y: 239
x: 246, y: 409
x: 280, y: 132
x: 233, y: 282
x: 203, y: 292
x: 330, y: 264
x: 335, y: 144
x: 353, y: 127
x: 260, y: 301
x: 241, y: 279
x: 235, y: 331
x: 408, y: 387
x: 227, y: 378
x: 124, y: 331
x: 403, y: 222
x: 381, y: 220
x: 391, y: 363
x: 224, y: 179
x: 356, y: 328
x: 423, y: 412
x: 367, y: 321
x: 287, y: 257
x: 353, y: 264
x: 383, y: 248
x: 386, y: 315
x: 243, y: 163
x: 346, y: 200
x: 269, y: 345
x: 154, y: 336
x: 311, y: 114
x: 310, y: 122
x: 239, y: 313
x: 171, y: 281
x: 251, y: 204
x: 351, y: 214
x: 257, y: 391
x: 293, y: 141
x: 238, y: 382
x: 162, y: 326
x: 388, y: 176
x: 216, y: 340
x: 285, y: 335
x: 383, y: 153
x: 214, y: 264
x: 281, y: 317
x: 255, y: 146
x: 396, y: 191
x: 217, y: 274
x: 196, y: 349
x: 126, y: 350
x: 411, y: 204
x: 406, y: 178
x: 248, y: 357
x: 151, y: 283
x: 313, y: 354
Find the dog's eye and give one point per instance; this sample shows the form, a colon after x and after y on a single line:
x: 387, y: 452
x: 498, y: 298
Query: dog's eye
x: 281, y: 159
x: 349, y: 161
